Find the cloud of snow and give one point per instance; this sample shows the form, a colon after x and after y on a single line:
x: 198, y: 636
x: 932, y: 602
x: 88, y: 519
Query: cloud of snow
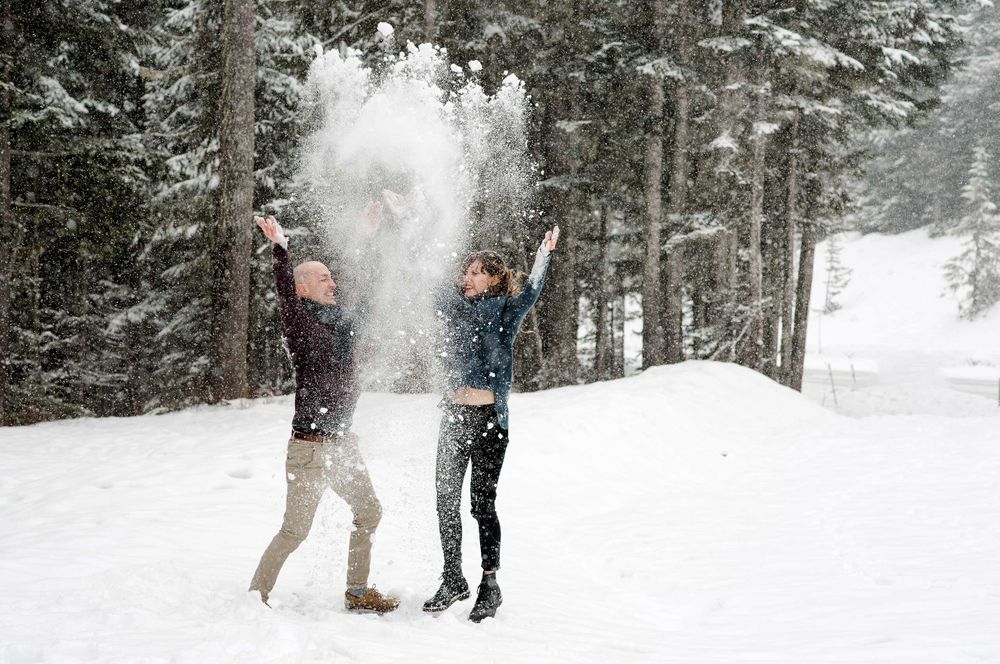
x: 414, y: 126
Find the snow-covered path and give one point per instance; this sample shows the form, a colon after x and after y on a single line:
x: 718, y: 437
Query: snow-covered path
x: 900, y: 328
x: 696, y: 513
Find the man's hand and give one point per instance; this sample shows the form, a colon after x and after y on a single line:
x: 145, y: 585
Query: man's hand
x: 272, y: 229
x: 372, y: 218
x: 551, y: 239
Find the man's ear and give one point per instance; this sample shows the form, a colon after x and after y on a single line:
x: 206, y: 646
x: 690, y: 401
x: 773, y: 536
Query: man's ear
x: 301, y: 289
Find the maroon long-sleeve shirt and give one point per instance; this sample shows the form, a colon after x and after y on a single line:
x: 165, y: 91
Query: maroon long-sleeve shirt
x: 320, y: 341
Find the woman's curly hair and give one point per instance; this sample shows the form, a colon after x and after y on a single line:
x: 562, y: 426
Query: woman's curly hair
x: 511, y: 282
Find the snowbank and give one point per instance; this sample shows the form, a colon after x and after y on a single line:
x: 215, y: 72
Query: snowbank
x: 695, y: 513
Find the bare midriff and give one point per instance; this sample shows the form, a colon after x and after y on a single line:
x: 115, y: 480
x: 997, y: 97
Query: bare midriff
x: 471, y: 396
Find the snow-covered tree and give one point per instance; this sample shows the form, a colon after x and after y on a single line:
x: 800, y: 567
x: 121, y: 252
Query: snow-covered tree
x: 183, y: 68
x: 974, y: 275
x: 837, y: 275
x: 901, y: 192
x: 71, y: 177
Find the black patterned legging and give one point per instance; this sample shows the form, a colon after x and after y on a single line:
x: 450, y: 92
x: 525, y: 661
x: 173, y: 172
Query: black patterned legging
x: 469, y: 433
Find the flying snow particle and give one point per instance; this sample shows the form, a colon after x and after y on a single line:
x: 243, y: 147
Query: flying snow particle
x: 385, y: 29
x: 323, y: 410
x: 475, y: 65
x: 456, y: 69
x: 291, y: 477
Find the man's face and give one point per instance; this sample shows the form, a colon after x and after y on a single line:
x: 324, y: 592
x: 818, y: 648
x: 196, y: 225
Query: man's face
x: 313, y: 281
x: 476, y: 280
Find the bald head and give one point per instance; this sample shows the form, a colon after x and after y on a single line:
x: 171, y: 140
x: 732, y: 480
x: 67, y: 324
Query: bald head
x: 313, y: 281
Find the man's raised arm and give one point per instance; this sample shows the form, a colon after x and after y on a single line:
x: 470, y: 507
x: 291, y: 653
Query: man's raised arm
x: 284, y: 278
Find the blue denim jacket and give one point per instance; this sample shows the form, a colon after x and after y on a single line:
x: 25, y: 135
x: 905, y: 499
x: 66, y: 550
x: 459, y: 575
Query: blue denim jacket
x: 480, y: 332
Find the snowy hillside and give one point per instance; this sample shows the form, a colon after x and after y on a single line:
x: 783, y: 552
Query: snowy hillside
x: 694, y: 513
x: 899, y: 330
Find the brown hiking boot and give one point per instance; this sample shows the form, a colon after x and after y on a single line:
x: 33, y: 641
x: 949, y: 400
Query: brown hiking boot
x: 371, y: 602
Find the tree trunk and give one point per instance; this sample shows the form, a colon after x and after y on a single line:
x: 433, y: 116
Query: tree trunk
x: 682, y: 114
x: 618, y: 335
x: 670, y: 304
x: 430, y: 18
x: 231, y: 251
x: 753, y: 351
x: 803, y: 292
x: 788, y: 254
x: 7, y: 229
x: 652, y: 329
x: 603, y: 341
x: 732, y: 101
x: 560, y: 308
x: 772, y: 246
x: 724, y: 260
x: 673, y: 305
x: 679, y: 164
x: 559, y: 305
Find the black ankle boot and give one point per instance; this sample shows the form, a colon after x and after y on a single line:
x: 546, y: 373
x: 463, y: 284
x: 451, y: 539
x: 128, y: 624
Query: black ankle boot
x: 487, y: 599
x: 451, y: 591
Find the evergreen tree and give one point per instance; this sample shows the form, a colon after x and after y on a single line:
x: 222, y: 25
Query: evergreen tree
x: 72, y: 177
x: 837, y: 276
x: 900, y: 192
x: 974, y: 275
x: 184, y: 65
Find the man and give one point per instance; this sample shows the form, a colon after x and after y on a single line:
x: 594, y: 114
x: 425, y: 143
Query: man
x: 322, y: 452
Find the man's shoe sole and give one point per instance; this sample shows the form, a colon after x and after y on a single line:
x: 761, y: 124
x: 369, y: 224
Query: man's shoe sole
x: 457, y: 598
x: 360, y: 609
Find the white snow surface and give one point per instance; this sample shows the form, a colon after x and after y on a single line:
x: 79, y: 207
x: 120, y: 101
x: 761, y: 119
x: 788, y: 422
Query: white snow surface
x: 897, y: 345
x: 897, y: 297
x: 693, y: 513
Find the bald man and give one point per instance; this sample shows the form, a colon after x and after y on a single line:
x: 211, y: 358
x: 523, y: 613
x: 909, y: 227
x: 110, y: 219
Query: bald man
x: 322, y: 452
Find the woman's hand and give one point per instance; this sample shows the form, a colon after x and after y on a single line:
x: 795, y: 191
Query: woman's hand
x: 396, y: 203
x: 551, y: 239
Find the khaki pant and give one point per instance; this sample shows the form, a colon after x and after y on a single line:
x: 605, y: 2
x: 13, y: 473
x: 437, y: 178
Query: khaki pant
x: 309, y: 469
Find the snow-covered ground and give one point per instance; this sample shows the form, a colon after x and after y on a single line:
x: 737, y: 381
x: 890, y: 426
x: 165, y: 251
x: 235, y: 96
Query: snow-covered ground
x: 693, y: 513
x: 897, y: 345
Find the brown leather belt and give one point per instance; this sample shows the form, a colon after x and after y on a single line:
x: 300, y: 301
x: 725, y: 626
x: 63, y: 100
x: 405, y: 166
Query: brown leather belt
x: 314, y: 438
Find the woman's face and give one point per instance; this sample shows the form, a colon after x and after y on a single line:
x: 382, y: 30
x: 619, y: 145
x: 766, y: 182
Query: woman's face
x: 476, y: 281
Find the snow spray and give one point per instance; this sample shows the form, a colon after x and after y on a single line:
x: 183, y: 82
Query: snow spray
x: 416, y: 126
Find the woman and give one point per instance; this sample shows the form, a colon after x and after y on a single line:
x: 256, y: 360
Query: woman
x: 482, y: 320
